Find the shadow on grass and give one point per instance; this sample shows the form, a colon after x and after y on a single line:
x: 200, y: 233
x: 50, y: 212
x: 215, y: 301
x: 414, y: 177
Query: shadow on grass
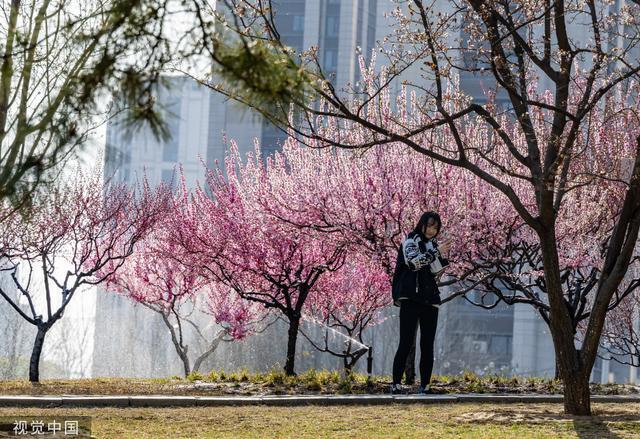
x: 592, y: 427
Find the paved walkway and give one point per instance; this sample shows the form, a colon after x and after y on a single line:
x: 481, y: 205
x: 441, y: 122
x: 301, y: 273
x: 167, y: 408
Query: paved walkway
x: 284, y: 400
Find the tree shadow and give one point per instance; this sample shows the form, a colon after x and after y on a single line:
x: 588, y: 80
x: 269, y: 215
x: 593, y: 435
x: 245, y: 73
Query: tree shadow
x: 592, y: 427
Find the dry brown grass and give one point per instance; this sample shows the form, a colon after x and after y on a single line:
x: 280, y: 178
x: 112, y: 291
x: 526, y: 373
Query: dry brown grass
x: 395, y: 421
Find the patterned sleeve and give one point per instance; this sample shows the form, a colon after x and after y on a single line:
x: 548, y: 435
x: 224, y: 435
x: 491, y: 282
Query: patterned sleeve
x: 414, y: 257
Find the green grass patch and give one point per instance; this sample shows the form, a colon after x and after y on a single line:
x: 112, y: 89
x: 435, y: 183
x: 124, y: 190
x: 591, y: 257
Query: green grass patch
x: 195, y: 376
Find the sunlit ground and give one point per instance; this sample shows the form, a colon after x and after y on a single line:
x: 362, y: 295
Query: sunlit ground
x: 275, y: 382
x: 399, y: 421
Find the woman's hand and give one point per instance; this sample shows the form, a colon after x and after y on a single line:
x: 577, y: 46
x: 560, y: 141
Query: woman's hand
x: 444, y: 247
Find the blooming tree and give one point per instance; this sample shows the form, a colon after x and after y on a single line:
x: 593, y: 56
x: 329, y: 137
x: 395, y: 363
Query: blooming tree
x: 161, y: 276
x: 348, y: 302
x: 369, y: 201
x: 261, y: 258
x: 372, y: 200
x: 535, y: 149
x: 71, y: 232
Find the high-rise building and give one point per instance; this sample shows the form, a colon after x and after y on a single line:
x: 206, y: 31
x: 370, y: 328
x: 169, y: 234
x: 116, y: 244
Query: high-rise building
x: 338, y: 28
x: 185, y: 107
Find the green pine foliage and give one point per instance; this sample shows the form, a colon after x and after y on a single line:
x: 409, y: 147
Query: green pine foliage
x: 264, y: 75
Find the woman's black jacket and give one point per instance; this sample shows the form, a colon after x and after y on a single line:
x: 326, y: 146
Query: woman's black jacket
x: 413, y: 279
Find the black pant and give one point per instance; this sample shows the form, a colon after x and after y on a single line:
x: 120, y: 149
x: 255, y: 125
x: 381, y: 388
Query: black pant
x: 410, y: 314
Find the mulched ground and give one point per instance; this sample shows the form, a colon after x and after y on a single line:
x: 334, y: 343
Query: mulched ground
x: 301, y: 385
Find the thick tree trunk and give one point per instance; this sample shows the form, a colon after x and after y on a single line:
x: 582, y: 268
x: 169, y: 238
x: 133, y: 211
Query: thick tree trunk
x: 294, y: 325
x: 573, y: 371
x: 577, y: 395
x: 34, y: 364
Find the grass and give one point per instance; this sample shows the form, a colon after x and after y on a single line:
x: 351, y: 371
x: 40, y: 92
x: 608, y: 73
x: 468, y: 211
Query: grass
x: 395, y: 421
x: 275, y: 382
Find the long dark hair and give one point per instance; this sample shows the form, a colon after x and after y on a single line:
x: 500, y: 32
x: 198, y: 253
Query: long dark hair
x: 424, y: 220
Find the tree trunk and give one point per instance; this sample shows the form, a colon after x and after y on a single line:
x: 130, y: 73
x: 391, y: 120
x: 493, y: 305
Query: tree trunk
x: 577, y: 395
x: 212, y: 348
x: 348, y: 360
x: 348, y: 366
x: 185, y: 363
x: 294, y: 325
x: 176, y: 339
x: 573, y: 370
x: 182, y: 353
x: 351, y: 358
x: 34, y: 364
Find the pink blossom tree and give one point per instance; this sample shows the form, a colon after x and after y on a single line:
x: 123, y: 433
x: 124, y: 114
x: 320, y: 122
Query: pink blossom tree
x: 161, y: 276
x: 535, y: 150
x: 70, y: 233
x: 348, y: 302
x: 262, y: 259
x: 621, y: 333
x: 369, y: 199
x: 585, y: 222
x: 372, y: 199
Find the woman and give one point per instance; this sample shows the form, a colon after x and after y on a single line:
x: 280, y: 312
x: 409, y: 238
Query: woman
x: 415, y: 291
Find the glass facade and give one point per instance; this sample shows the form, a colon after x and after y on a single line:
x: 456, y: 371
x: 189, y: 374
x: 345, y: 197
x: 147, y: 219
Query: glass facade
x: 172, y: 118
x: 330, y: 39
x: 289, y: 18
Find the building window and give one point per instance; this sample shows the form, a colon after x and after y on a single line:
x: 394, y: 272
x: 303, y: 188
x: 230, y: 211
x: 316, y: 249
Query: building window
x: 330, y: 60
x: 332, y: 26
x: 500, y: 344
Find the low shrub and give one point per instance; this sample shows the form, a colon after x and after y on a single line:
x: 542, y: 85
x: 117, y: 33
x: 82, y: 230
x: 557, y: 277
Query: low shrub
x: 195, y: 376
